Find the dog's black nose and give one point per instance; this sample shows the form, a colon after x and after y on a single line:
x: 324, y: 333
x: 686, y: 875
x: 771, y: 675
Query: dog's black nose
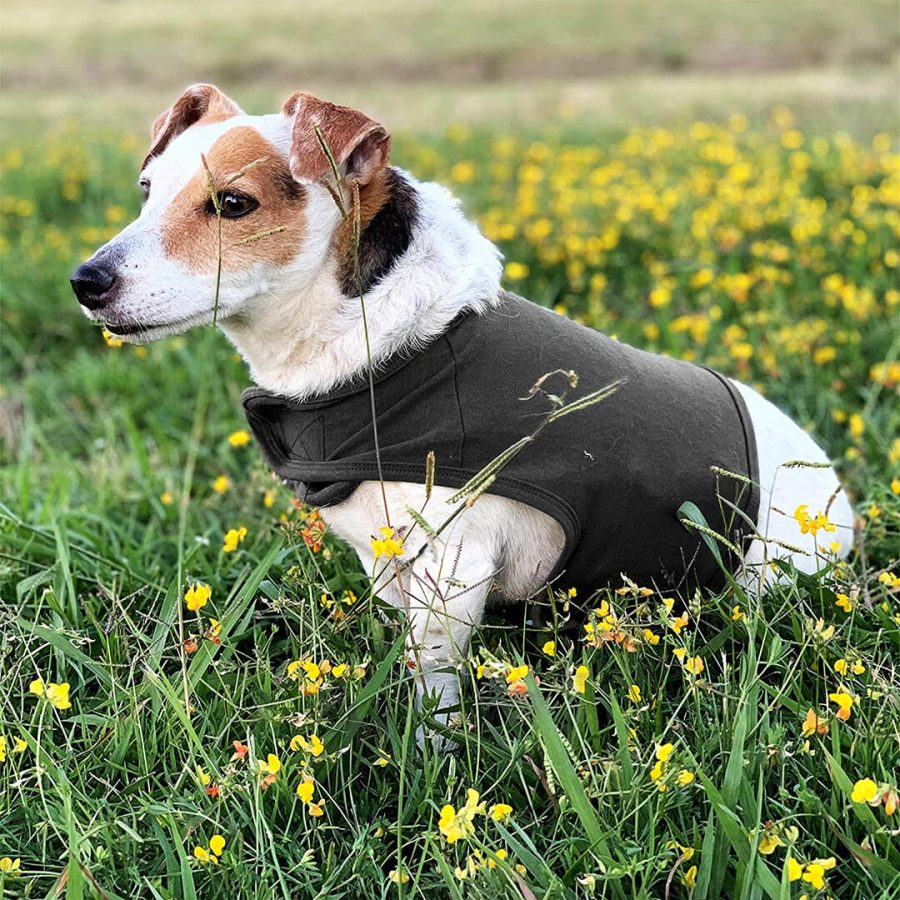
x: 92, y: 283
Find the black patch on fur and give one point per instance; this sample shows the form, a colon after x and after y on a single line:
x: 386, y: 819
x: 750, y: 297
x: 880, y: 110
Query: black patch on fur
x: 291, y: 189
x: 384, y: 240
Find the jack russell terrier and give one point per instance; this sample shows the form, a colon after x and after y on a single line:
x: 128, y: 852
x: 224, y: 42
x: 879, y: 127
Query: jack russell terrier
x: 275, y: 226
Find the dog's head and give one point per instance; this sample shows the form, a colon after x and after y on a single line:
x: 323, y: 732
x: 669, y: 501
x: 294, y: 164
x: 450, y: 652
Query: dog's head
x: 236, y: 207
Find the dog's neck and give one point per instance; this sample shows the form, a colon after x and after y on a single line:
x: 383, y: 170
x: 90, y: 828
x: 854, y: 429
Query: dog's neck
x: 307, y: 335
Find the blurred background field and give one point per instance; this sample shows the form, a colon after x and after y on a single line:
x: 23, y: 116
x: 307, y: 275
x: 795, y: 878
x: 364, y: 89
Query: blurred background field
x: 597, y: 64
x: 719, y: 181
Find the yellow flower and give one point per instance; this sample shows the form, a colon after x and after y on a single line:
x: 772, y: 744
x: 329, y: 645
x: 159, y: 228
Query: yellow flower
x: 269, y: 498
x: 858, y: 668
x: 271, y: 765
x: 306, y: 788
x: 316, y: 809
x: 795, y: 870
x: 550, y: 648
x: 634, y: 694
x: 895, y: 485
x: 844, y: 702
x: 840, y: 666
x: 769, y: 843
x: 455, y: 826
x: 516, y: 271
x: 20, y: 746
x: 844, y: 602
x: 10, y: 866
x: 736, y: 614
x: 694, y: 665
x: 500, y: 812
x: 678, y: 624
x: 239, y: 438
x: 398, y: 876
x: 389, y: 545
x: 889, y: 580
x: 314, y: 745
x: 2, y: 749
x: 212, y: 854
x: 690, y: 877
x: 516, y: 673
x: 56, y: 694
x: 651, y: 637
x: 221, y: 484
x: 204, y: 777
x: 233, y: 537
x: 809, y: 524
x: 857, y: 426
x: 166, y: 498
x: 664, y: 751
x: 579, y: 679
x: 864, y: 791
x: 340, y: 670
x: 111, y: 339
x: 814, y: 873
x: 685, y: 777
x: 383, y: 760
x: 205, y: 857
x: 197, y: 596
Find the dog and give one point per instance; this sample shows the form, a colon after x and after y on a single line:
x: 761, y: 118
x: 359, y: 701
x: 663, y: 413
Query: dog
x: 274, y: 227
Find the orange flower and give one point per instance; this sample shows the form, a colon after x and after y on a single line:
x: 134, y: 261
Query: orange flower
x: 812, y: 724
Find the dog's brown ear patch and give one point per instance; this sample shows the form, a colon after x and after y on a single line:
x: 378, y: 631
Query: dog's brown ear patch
x: 200, y: 101
x: 360, y: 146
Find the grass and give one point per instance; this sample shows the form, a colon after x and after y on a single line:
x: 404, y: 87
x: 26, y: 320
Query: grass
x: 706, y: 242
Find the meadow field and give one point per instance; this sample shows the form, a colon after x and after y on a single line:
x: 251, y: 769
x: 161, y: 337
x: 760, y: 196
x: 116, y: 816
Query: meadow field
x: 202, y: 698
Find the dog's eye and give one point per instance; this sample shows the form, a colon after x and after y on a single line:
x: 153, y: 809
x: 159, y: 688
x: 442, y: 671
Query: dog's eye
x: 234, y: 205
x: 144, y: 184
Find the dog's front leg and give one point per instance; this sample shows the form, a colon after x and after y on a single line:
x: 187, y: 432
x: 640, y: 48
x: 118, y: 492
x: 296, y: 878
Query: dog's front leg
x: 440, y: 583
x: 446, y: 590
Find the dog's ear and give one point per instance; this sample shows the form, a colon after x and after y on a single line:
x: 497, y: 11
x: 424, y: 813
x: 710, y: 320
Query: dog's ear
x: 200, y: 101
x: 360, y: 145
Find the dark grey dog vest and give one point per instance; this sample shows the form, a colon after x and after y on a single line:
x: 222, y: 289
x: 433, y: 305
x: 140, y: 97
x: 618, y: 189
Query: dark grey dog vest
x: 613, y: 475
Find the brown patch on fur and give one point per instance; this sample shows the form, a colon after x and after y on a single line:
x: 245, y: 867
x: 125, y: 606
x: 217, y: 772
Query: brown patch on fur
x: 199, y: 102
x: 360, y: 146
x: 189, y: 230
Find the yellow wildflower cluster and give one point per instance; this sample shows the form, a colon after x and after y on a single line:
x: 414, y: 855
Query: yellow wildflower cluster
x: 811, y: 524
x: 774, y: 836
x: 312, y: 675
x: 603, y: 628
x: 663, y: 774
x: 18, y: 746
x: 459, y: 825
x: 57, y: 695
x: 233, y: 537
x: 338, y: 607
x: 514, y: 676
x: 210, y: 854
